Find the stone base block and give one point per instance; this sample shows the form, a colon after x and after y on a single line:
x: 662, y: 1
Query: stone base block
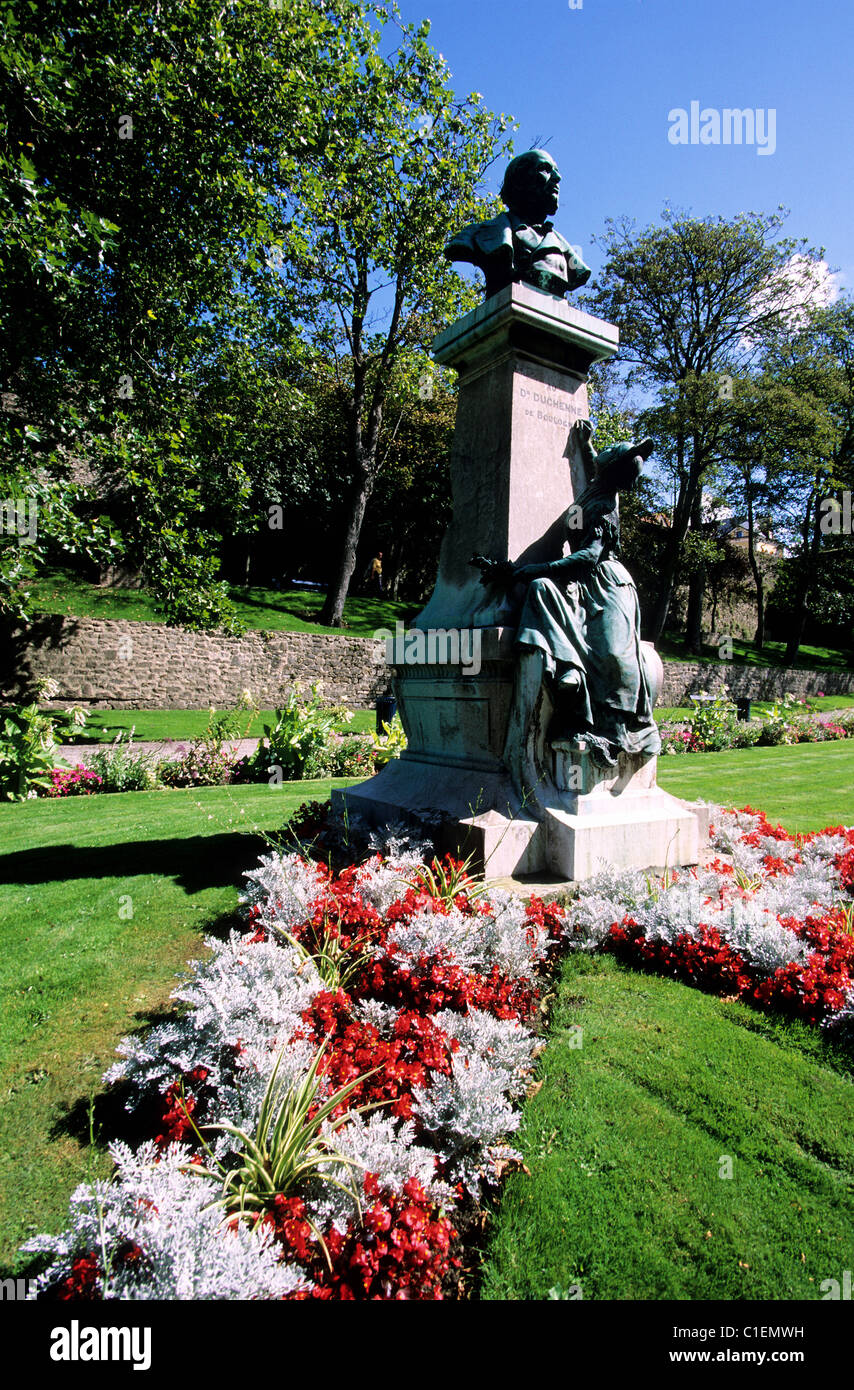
x: 618, y: 816
x: 656, y: 832
x: 466, y: 811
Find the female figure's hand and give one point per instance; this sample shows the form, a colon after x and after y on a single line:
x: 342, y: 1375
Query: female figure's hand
x: 493, y: 571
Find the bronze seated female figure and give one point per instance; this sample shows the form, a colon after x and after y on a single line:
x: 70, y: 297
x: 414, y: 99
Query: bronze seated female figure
x: 579, y: 631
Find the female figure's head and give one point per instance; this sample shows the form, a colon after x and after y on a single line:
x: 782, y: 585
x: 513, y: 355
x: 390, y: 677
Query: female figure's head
x: 619, y: 466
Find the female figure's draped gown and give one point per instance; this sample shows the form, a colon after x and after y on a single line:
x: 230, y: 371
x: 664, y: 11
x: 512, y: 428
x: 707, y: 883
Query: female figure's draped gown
x: 584, y: 617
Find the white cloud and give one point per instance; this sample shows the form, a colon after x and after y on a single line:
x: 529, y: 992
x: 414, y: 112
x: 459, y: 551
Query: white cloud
x: 800, y: 285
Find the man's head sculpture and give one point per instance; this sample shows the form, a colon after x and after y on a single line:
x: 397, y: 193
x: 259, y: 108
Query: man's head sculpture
x: 520, y: 245
x: 531, y: 185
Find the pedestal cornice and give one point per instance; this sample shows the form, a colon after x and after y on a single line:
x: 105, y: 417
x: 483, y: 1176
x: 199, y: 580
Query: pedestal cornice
x: 531, y: 323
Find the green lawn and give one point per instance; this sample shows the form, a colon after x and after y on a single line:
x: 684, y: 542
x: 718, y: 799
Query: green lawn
x: 183, y: 725
x: 270, y: 610
x: 672, y: 648
x: 805, y: 787
x: 627, y: 1144
x: 76, y: 975
x: 186, y: 724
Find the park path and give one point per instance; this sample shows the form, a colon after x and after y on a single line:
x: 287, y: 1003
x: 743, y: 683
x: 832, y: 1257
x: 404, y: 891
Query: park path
x: 72, y: 753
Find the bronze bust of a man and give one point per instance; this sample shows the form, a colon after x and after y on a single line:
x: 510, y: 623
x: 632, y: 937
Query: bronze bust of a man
x: 520, y: 244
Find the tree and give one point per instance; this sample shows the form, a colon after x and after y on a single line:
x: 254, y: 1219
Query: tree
x: 694, y: 299
x: 767, y: 441
x: 370, y: 209
x: 410, y: 508
x: 817, y: 367
x: 142, y: 145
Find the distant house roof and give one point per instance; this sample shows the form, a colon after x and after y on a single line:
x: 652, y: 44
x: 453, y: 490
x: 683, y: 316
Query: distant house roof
x: 738, y: 525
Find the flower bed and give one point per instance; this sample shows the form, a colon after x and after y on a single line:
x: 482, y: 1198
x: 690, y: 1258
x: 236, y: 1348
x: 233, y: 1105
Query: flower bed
x: 714, y: 727
x: 76, y: 781
x: 769, y: 920
x: 348, y: 1070
x: 409, y: 995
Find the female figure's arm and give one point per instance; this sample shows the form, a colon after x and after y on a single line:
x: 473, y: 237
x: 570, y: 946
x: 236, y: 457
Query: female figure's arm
x: 589, y: 555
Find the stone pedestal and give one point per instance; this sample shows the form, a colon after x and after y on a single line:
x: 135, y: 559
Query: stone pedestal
x: 523, y: 359
x: 452, y: 780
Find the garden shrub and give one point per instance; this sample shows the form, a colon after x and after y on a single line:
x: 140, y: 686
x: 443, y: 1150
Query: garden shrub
x: 29, y: 740
x: 122, y: 768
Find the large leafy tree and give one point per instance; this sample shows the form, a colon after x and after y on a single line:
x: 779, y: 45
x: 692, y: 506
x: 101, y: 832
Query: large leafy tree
x: 200, y: 198
x: 142, y: 148
x: 771, y: 434
x: 369, y: 209
x: 816, y: 366
x: 694, y: 299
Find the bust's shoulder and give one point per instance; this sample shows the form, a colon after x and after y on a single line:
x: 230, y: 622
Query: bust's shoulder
x: 485, y: 237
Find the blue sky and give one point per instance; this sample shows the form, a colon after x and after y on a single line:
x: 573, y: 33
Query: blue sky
x: 597, y: 85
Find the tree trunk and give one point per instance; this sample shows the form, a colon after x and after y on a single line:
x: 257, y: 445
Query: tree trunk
x: 332, y: 613
x: 796, y: 632
x: 759, y: 638
x: 696, y: 588
x: 694, y: 615
x: 811, y: 548
x: 670, y: 560
x: 661, y: 607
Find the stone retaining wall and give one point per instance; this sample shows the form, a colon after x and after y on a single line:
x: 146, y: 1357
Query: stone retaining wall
x: 130, y: 665
x: 682, y: 678
x: 148, y: 666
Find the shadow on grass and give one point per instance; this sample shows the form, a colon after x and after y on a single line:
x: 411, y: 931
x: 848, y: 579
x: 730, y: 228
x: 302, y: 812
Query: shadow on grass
x: 110, y: 1118
x: 362, y: 611
x: 195, y: 863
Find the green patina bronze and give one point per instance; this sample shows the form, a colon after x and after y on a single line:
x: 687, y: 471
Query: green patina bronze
x: 579, y: 627
x: 520, y: 245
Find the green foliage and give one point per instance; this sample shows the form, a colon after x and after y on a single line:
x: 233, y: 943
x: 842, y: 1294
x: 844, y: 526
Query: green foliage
x: 122, y: 768
x: 391, y: 743
x: 45, y: 519
x: 445, y: 878
x: 29, y: 741
x: 777, y: 724
x: 694, y: 298
x: 291, y: 1145
x: 335, y: 964
x: 372, y: 205
x: 208, y: 762
x: 301, y: 729
x: 347, y: 755
x: 180, y: 188
x: 712, y: 720
x: 27, y: 752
